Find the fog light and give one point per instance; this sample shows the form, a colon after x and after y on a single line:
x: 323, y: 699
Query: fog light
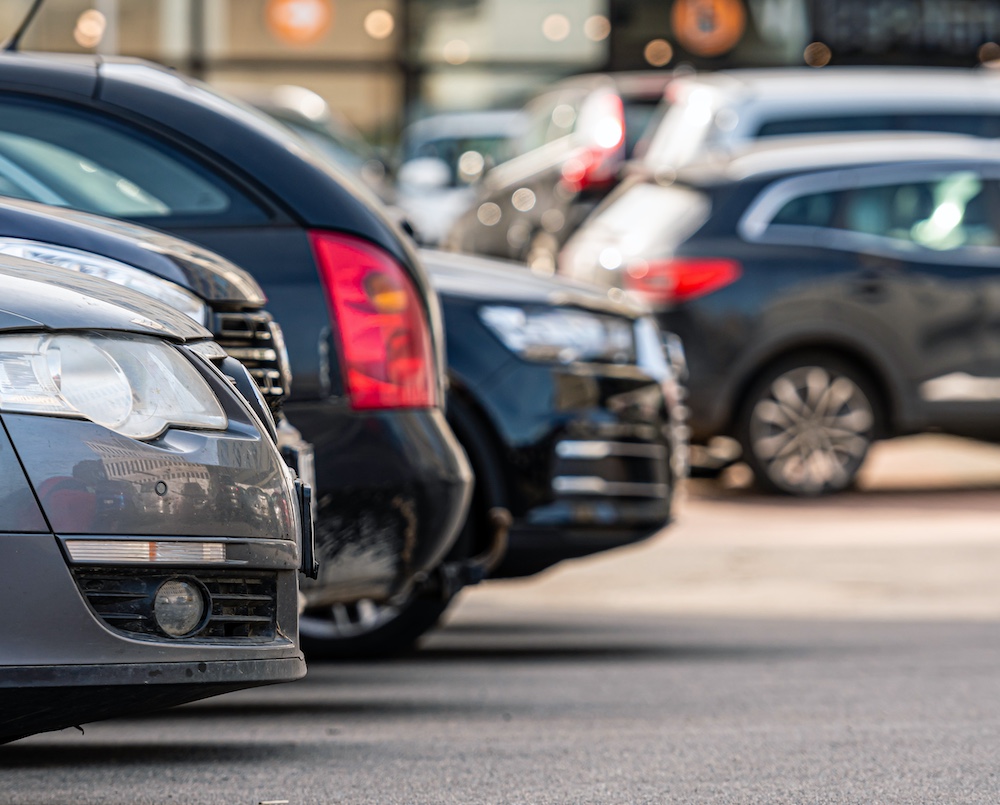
x: 179, y: 607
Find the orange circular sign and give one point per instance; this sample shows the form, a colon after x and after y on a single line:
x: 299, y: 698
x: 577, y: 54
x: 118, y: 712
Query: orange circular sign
x: 708, y: 27
x: 299, y: 22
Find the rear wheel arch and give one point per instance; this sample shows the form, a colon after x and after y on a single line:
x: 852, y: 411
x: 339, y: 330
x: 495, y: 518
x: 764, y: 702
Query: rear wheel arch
x: 887, y: 396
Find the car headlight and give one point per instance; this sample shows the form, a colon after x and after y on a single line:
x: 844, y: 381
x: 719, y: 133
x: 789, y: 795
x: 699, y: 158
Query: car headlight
x: 132, y: 385
x: 169, y: 293
x: 561, y: 334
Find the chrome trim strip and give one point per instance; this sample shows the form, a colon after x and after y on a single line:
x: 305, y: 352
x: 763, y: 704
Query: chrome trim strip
x: 960, y: 387
x: 598, y: 449
x: 592, y: 485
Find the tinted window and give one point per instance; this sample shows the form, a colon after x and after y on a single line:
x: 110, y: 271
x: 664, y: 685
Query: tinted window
x: 976, y: 125
x: 62, y: 156
x: 951, y: 212
x: 638, y: 115
x: 813, y: 210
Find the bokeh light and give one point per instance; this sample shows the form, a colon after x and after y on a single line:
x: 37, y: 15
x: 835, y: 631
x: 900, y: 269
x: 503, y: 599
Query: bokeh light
x: 817, y: 54
x: 379, y: 24
x: 555, y: 27
x: 658, y: 52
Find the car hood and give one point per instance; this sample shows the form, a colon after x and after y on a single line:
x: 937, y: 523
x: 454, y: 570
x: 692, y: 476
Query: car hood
x: 204, y: 273
x: 492, y: 281
x: 35, y: 296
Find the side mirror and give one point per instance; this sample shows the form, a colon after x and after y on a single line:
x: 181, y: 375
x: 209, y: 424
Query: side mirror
x: 424, y: 174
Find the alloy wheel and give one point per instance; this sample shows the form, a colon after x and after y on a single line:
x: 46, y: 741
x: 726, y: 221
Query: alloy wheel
x: 809, y: 430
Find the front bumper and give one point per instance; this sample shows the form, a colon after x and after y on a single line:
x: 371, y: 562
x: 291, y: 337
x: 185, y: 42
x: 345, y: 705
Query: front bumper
x: 94, y: 523
x: 392, y: 492
x: 592, y: 456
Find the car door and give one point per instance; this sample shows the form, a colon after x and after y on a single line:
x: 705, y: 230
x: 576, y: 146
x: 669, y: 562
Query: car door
x: 923, y: 243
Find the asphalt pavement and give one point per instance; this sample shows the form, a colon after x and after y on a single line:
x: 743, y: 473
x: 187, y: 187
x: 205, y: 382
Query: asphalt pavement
x: 759, y: 651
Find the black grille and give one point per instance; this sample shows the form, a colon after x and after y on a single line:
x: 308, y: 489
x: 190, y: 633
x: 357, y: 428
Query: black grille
x: 242, y: 606
x: 255, y: 340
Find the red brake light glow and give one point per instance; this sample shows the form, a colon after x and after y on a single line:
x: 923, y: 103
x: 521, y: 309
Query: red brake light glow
x: 680, y: 279
x: 385, y: 341
x: 595, y: 166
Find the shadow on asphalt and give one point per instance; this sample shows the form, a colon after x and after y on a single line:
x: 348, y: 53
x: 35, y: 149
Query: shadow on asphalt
x: 26, y: 756
x: 959, y: 499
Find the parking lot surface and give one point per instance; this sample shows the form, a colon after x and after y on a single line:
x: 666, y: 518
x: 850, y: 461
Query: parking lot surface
x: 761, y: 651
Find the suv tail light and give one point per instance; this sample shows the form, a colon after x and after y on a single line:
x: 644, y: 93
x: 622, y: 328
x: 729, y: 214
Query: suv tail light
x: 385, y: 340
x: 680, y: 279
x: 596, y: 165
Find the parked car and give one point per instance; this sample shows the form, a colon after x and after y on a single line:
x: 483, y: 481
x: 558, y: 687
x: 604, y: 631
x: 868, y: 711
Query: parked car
x: 442, y: 157
x: 149, y: 552
x: 127, y: 139
x: 721, y: 111
x: 573, y: 421
x: 830, y: 291
x: 576, y: 137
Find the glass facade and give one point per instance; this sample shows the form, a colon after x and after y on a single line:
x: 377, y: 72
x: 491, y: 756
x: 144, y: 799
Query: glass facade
x: 382, y: 63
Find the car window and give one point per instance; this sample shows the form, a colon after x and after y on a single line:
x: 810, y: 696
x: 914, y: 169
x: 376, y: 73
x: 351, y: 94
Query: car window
x: 950, y: 212
x: 76, y: 159
x: 638, y: 114
x: 977, y: 125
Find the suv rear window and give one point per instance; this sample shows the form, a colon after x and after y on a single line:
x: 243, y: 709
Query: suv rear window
x: 975, y: 125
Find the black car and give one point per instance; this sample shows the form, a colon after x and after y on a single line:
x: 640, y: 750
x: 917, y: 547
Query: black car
x: 829, y: 292
x: 128, y: 139
x: 576, y: 137
x: 149, y: 524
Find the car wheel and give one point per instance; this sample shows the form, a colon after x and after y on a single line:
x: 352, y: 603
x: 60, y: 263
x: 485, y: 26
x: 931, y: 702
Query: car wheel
x: 807, y: 424
x: 367, y: 628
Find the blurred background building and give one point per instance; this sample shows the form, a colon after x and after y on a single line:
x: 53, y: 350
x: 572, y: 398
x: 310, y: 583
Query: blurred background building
x: 386, y: 62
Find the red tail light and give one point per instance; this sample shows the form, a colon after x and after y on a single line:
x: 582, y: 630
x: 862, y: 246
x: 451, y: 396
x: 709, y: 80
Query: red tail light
x: 385, y: 341
x: 596, y: 165
x: 680, y: 279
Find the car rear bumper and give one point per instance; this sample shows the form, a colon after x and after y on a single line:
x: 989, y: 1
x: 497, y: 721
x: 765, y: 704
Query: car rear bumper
x: 392, y: 492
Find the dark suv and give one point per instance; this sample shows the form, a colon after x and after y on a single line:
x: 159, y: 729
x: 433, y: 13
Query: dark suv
x: 829, y: 292
x: 128, y: 139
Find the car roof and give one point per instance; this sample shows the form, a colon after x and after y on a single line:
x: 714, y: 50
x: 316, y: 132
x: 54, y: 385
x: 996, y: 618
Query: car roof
x: 771, y: 156
x: 846, y: 85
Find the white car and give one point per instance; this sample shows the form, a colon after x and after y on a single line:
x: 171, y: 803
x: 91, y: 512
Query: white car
x: 720, y: 111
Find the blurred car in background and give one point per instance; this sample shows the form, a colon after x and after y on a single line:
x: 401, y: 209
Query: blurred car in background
x: 577, y: 134
x: 721, y: 111
x: 829, y: 291
x: 127, y: 139
x: 149, y: 555
x: 441, y: 159
x: 572, y: 419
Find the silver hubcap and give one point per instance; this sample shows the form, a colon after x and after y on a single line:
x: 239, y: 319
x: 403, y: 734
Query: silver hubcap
x: 812, y: 431
x: 342, y: 621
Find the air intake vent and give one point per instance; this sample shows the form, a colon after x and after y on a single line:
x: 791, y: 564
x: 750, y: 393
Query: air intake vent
x: 255, y: 340
x: 242, y: 606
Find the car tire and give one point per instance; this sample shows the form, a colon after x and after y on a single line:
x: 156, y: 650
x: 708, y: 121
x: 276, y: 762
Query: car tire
x: 366, y: 628
x: 806, y: 424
